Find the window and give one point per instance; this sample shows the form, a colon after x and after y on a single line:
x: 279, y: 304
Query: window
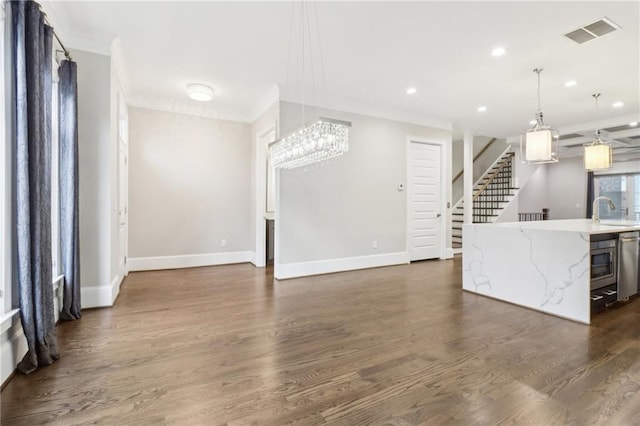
x: 624, y: 191
x: 5, y: 176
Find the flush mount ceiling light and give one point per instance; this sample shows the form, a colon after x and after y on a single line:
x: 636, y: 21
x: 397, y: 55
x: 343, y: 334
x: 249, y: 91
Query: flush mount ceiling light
x: 482, y: 108
x: 618, y: 104
x: 200, y: 92
x: 498, y: 51
x: 570, y: 83
x: 539, y: 144
x: 633, y: 124
x: 323, y: 139
x: 598, y: 155
x: 411, y: 91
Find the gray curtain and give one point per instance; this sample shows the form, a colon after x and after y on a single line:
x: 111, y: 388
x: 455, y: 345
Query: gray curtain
x: 69, y: 223
x: 590, y: 194
x: 32, y: 43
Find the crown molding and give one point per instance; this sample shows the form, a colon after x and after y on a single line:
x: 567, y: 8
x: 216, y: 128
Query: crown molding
x: 366, y: 108
x: 157, y: 104
x: 271, y: 97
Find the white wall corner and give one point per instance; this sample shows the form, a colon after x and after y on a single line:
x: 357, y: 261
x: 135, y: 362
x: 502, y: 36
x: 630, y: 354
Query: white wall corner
x: 189, y: 261
x: 270, y: 98
x: 100, y: 296
x: 117, y: 59
x: 302, y: 269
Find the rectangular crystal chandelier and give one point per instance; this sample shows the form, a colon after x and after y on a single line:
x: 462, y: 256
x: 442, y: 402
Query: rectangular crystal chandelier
x: 324, y: 139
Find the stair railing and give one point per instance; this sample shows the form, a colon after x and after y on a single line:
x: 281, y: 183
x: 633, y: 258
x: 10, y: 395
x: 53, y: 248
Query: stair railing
x: 482, y: 209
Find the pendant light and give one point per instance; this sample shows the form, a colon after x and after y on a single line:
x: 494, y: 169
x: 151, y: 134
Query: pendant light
x: 598, y: 155
x: 540, y: 143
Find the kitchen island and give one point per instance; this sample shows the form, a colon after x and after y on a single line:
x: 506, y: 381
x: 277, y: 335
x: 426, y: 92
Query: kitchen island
x: 542, y: 265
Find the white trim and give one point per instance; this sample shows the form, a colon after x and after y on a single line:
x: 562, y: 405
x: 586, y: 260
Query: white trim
x: 448, y: 253
x: 262, y: 105
x: 261, y: 144
x: 189, y: 260
x: 13, y: 346
x: 6, y: 319
x: 378, y: 111
x: 160, y: 104
x: 445, y: 175
x: 101, y: 295
x: 302, y: 269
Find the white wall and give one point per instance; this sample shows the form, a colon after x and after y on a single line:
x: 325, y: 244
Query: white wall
x: 561, y: 187
x: 335, y: 211
x: 533, y: 197
x: 567, y: 189
x: 189, y: 189
x: 95, y: 149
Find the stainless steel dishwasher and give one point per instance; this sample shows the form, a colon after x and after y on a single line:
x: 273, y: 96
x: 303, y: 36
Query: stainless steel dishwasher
x: 628, y: 252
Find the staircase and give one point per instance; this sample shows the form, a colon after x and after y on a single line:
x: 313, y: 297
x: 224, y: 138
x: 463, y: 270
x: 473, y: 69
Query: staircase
x: 491, y: 194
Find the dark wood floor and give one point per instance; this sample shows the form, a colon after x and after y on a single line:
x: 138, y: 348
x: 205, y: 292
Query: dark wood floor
x: 395, y: 346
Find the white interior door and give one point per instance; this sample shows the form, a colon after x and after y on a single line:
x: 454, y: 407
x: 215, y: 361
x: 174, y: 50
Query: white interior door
x: 424, y: 201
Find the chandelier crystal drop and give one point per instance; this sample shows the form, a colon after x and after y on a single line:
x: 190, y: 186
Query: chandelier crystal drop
x: 540, y: 144
x: 319, y: 141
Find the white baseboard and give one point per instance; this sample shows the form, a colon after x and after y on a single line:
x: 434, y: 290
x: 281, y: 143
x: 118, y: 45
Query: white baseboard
x: 13, y: 346
x: 189, y: 260
x: 448, y: 253
x: 302, y: 269
x: 101, y: 295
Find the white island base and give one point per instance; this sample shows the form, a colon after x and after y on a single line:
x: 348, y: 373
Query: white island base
x: 541, y: 265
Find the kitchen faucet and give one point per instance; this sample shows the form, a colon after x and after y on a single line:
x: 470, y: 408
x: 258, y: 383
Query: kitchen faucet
x: 596, y: 213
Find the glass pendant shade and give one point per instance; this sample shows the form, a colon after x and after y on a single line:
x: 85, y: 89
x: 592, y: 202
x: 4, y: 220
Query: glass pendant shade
x: 598, y: 155
x: 539, y: 144
x: 319, y: 141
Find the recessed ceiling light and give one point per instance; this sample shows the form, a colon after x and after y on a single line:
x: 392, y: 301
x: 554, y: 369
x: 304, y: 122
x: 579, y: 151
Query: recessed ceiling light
x: 498, y: 51
x: 570, y: 83
x: 618, y: 104
x: 482, y: 108
x: 200, y: 92
x: 633, y: 124
x: 411, y: 91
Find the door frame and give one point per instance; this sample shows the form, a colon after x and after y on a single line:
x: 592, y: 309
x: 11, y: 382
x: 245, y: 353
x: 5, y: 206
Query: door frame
x: 445, y: 193
x: 262, y: 144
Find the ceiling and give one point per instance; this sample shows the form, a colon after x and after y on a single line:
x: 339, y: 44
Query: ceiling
x: 371, y: 53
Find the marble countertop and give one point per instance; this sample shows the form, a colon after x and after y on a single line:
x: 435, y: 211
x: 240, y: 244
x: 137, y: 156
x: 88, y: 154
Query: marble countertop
x: 571, y: 225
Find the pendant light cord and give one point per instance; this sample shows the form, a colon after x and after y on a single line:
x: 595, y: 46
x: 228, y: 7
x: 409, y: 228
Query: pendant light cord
x: 597, y: 132
x: 538, y: 71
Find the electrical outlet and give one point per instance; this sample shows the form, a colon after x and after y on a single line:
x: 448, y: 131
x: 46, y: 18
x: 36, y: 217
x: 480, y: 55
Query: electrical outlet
x: 223, y: 243
x: 375, y: 244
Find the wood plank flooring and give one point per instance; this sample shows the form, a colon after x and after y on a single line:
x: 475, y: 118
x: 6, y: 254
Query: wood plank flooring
x: 400, y: 346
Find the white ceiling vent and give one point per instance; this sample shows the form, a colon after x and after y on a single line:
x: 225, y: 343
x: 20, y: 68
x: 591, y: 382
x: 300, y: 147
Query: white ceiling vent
x: 593, y: 30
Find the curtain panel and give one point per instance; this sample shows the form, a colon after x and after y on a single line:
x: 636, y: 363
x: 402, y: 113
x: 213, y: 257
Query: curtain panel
x: 69, y: 218
x: 32, y: 45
